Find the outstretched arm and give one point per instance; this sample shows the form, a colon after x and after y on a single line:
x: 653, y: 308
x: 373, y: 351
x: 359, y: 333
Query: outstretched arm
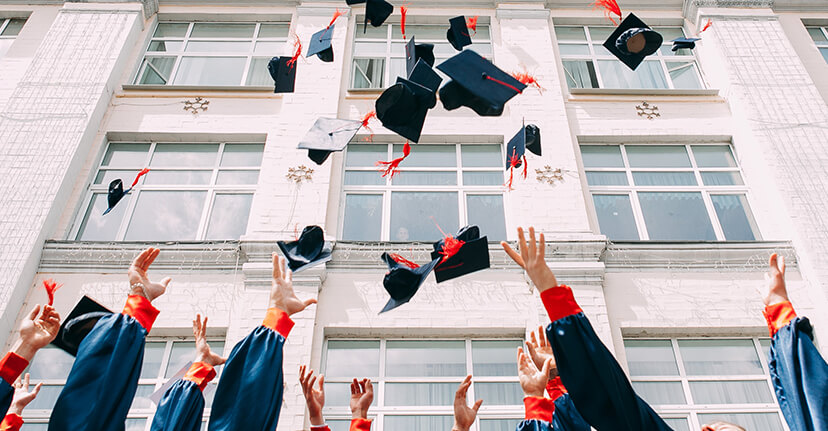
x: 362, y: 395
x: 22, y: 397
x: 314, y: 397
x: 464, y: 415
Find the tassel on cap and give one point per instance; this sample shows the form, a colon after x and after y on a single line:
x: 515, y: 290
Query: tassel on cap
x: 298, y: 45
x: 471, y: 23
x: 336, y: 15
x: 51, y: 286
x: 140, y: 174
x: 391, y: 168
x: 610, y: 8
x: 403, y: 12
x: 403, y: 261
x: 707, y: 25
x: 451, y: 245
x: 513, y: 162
x: 368, y: 117
x: 527, y: 79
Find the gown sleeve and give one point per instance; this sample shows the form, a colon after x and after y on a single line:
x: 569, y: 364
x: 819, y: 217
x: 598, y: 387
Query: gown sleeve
x: 11, y: 422
x: 104, y: 377
x: 798, y: 372
x: 597, y: 385
x: 11, y: 366
x: 360, y: 425
x: 249, y: 393
x: 182, y: 407
x: 555, y: 413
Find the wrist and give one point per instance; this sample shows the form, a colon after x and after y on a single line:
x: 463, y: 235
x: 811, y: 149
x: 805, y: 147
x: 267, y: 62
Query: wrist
x: 317, y: 420
x: 534, y: 393
x: 458, y: 427
x: 15, y: 409
x: 24, y: 350
x: 359, y: 414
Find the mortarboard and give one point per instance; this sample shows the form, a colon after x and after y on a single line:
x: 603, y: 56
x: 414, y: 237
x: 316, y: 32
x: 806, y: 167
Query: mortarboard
x: 402, y: 108
x: 478, y: 84
x: 424, y: 75
x: 467, y: 252
x: 328, y: 135
x: 376, y: 11
x: 684, y: 43
x: 283, y: 71
x: 417, y: 51
x: 458, y: 34
x: 307, y: 251
x: 533, y: 139
x: 403, y: 279
x: 320, y: 44
x: 516, y: 149
x: 116, y: 190
x: 632, y: 41
x: 78, y: 323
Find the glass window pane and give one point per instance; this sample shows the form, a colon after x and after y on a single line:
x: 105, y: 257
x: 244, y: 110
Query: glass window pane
x: 607, y: 178
x: 425, y: 32
x: 486, y: 211
x: 433, y: 156
x: 676, y: 216
x: 14, y: 26
x: 228, y: 219
x: 99, y: 227
x: 494, y: 358
x: 222, y: 30
x: 125, y: 155
x: 339, y: 394
x: 46, y: 398
x: 50, y: 363
x: 617, y: 75
x: 418, y: 423
x: 574, y: 49
x: 664, y: 178
x: 165, y: 46
x: 720, y: 357
x: 824, y: 52
x: 135, y: 424
x: 242, y: 155
x: 5, y: 44
x: 107, y: 176
x: 166, y: 216
x: 425, y: 359
x: 413, y: 215
x: 157, y: 70
x: 658, y: 393
x: 366, y: 155
x: 218, y: 46
x: 816, y: 34
x: 599, y: 34
x: 482, y: 178
x: 731, y: 392
x: 184, y: 155
x: 158, y: 177
x: 658, y: 156
x: 722, y: 179
x: 210, y: 71
x: 615, y: 217
x: 180, y: 355
x: 271, y: 47
x: 363, y: 217
x: 237, y: 178
x: 580, y: 74
x: 368, y: 73
x: 677, y: 424
x: 602, y: 156
x: 274, y: 30
x: 419, y: 394
x: 684, y: 75
x: 481, y: 156
x: 765, y: 343
x: 499, y: 394
x: 397, y: 68
x: 425, y: 178
x: 714, y: 156
x: 748, y: 421
x: 362, y: 178
x: 651, y: 358
x: 141, y: 399
x: 499, y: 424
x: 169, y: 29
x: 153, y: 355
x: 258, y: 75
x: 352, y: 359
x: 735, y: 217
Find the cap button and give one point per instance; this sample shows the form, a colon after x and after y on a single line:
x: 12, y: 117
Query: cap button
x: 484, y: 75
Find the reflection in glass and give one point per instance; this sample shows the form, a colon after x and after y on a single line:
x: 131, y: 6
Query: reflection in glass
x: 419, y: 394
x: 184, y: 155
x: 651, y: 358
x: 425, y: 358
x: 368, y: 72
x: 617, y: 75
x: 363, y: 217
x: 731, y: 392
x: 476, y: 178
x: 352, y: 358
x: 216, y: 71
x: 174, y: 178
x: 167, y: 29
x: 714, y: 156
x: 684, y: 75
x: 141, y: 399
x: 424, y: 178
x: 237, y: 178
x: 481, y: 156
x: 363, y: 178
x: 658, y: 156
x: 722, y: 179
x: 676, y: 216
x: 580, y: 74
x: 748, y: 421
x: 125, y: 155
x: 166, y: 216
x: 153, y: 355
x: 732, y: 357
x: 223, y: 30
x: 242, y: 155
x: 602, y: 156
x: 157, y: 70
x: 486, y: 211
x: 365, y: 155
x: 499, y: 394
x: 494, y: 358
x: 615, y: 217
x: 413, y: 215
x: 50, y: 363
x: 664, y: 179
x: 735, y: 217
x: 99, y: 227
x: 228, y: 219
x: 258, y: 75
x: 607, y: 178
x: 46, y: 398
x: 433, y: 156
x: 657, y: 393
x: 181, y: 354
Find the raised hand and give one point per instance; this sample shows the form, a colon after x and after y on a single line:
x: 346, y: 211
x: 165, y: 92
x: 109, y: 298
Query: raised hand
x: 532, y: 381
x: 203, y: 352
x: 37, y: 330
x: 139, y: 283
x: 541, y: 351
x: 777, y: 292
x: 282, y: 295
x: 532, y: 259
x: 721, y: 426
x: 463, y: 414
x: 314, y: 398
x: 22, y: 397
x: 362, y: 395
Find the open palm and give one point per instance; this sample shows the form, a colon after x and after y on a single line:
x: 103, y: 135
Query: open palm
x: 203, y: 352
x: 541, y: 351
x: 282, y: 295
x: 775, y: 277
x: 532, y: 258
x: 532, y: 381
x: 138, y: 279
x: 463, y: 414
x: 38, y: 331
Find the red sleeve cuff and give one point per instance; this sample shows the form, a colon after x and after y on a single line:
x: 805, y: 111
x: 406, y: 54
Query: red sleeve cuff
x: 11, y: 422
x: 142, y: 310
x: 11, y: 366
x: 778, y: 315
x: 539, y: 408
x: 555, y: 388
x: 278, y: 321
x: 559, y: 302
x: 200, y: 374
x: 360, y: 425
x: 320, y: 428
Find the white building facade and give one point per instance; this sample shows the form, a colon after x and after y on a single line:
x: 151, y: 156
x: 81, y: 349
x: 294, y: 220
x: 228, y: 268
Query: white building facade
x: 661, y: 193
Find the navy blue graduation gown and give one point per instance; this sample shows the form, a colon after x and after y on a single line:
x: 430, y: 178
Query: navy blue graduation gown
x: 249, y: 394
x: 11, y: 366
x: 104, y: 377
x: 798, y: 372
x: 556, y: 413
x: 182, y: 406
x: 597, y: 385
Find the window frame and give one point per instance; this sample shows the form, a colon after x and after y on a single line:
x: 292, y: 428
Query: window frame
x: 631, y: 189
x: 4, y: 23
x: 821, y: 45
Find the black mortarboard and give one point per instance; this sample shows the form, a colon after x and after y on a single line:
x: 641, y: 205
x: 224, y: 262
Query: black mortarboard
x: 283, y: 74
x: 424, y: 75
x: 116, y: 191
x: 472, y: 256
x: 307, y: 251
x: 78, y: 323
x: 376, y: 11
x: 458, y: 34
x: 632, y: 41
x: 516, y: 148
x: 402, y: 108
x: 684, y: 43
x: 477, y: 83
x: 416, y: 51
x: 320, y: 45
x: 328, y: 135
x: 402, y: 281
x: 533, y: 139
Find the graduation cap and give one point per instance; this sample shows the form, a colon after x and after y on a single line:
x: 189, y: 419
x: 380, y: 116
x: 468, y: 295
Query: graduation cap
x: 516, y: 153
x: 531, y: 139
x: 116, y: 190
x: 417, y: 51
x: 424, y: 75
x: 402, y: 108
x: 685, y: 43
x: 78, y: 324
x: 283, y: 71
x: 478, y: 84
x: 376, y: 11
x: 632, y: 41
x: 320, y: 44
x: 462, y: 254
x: 403, y: 279
x: 307, y: 251
x: 458, y: 33
x: 328, y: 135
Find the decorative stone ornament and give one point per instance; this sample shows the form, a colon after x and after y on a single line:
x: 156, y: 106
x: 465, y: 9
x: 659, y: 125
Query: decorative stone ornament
x: 550, y: 176
x: 199, y: 105
x: 647, y: 110
x: 299, y: 174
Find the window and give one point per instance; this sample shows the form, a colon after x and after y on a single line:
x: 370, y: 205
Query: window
x: 379, y: 54
x: 692, y: 382
x: 450, y: 185
x: 212, y: 54
x: 668, y: 193
x: 9, y: 29
x: 192, y: 192
x: 820, y: 37
x: 415, y: 381
x: 587, y: 64
x: 163, y: 358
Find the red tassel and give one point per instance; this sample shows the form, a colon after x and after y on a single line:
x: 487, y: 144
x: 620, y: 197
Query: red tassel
x: 391, y: 168
x: 525, y: 167
x: 511, y: 177
x: 451, y: 245
x: 527, y: 79
x: 298, y: 45
x: 368, y: 117
x: 403, y: 12
x: 610, y: 8
x: 401, y: 260
x: 505, y: 84
x: 51, y: 286
x: 471, y: 23
x: 336, y: 15
x: 706, y: 26
x: 140, y: 174
x: 513, y: 163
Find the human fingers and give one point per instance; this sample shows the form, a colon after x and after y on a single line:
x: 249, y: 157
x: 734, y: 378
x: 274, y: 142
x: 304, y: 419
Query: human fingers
x: 277, y: 273
x: 524, y: 252
x: 533, y: 245
x: 513, y: 254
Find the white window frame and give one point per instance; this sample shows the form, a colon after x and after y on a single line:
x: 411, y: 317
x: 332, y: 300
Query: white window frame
x: 690, y: 410
x: 249, y: 55
x: 823, y: 45
x: 4, y: 22
x: 632, y: 190
x: 211, y: 189
x: 385, y: 190
x: 378, y: 411
x: 594, y: 57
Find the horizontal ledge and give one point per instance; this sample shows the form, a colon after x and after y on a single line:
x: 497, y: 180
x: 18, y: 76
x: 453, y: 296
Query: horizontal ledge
x: 641, y: 92
x: 676, y: 256
x: 202, y: 88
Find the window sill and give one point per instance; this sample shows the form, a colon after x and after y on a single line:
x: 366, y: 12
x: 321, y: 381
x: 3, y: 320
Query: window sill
x: 700, y: 256
x: 640, y: 92
x: 213, y: 88
x: 363, y: 93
